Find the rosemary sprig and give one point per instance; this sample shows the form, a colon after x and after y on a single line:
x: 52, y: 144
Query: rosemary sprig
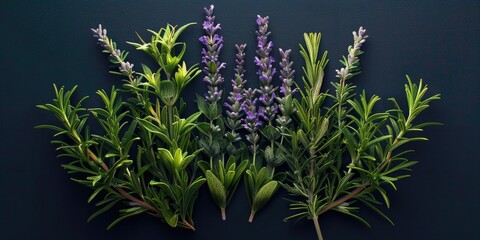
x: 346, y: 153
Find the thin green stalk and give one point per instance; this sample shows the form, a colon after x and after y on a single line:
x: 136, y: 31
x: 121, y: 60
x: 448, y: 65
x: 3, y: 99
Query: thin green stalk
x: 170, y: 114
x: 340, y: 102
x: 210, y: 141
x: 317, y: 228
x: 254, y: 154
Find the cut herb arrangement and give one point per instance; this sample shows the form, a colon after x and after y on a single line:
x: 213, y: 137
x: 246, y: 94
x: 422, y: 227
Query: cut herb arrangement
x: 330, y: 150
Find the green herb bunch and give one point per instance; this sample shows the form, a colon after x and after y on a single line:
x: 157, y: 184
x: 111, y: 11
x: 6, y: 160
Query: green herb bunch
x: 226, y: 158
x: 344, y: 153
x: 142, y: 160
x: 330, y: 150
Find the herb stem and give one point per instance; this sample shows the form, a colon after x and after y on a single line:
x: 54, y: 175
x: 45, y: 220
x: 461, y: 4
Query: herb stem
x: 252, y: 215
x: 312, y: 172
x: 317, y: 228
x: 340, y: 102
x: 135, y: 200
x: 120, y: 190
x: 254, y: 148
x: 345, y: 198
x: 126, y: 195
x: 311, y: 192
x: 362, y: 187
x: 389, y: 154
x: 104, y: 166
x: 224, y: 215
x: 170, y: 117
x: 186, y: 225
x: 210, y: 138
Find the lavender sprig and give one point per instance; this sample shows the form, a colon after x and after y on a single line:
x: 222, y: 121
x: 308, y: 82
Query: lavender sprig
x: 213, y: 44
x: 286, y: 100
x: 351, y: 63
x: 235, y: 100
x: 286, y: 73
x: 265, y: 72
x: 116, y: 55
x: 252, y: 119
x: 256, y: 183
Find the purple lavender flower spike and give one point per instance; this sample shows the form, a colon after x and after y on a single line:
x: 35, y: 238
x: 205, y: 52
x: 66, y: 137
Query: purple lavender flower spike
x: 285, y: 101
x: 234, y: 102
x: 265, y: 72
x: 251, y: 121
x: 212, y: 45
x: 286, y: 73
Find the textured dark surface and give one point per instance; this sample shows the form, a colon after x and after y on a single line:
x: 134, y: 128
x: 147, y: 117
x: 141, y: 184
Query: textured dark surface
x: 45, y: 42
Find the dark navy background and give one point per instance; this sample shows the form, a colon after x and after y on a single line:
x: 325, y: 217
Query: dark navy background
x: 46, y: 42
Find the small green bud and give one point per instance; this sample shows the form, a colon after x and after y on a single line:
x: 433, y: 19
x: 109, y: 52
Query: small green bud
x: 269, y: 155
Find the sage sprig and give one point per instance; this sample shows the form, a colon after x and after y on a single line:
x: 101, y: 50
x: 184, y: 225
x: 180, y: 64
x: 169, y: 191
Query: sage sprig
x: 143, y: 158
x: 344, y: 153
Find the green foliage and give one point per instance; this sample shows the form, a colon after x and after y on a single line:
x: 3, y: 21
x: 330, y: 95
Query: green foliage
x: 227, y: 160
x: 345, y: 152
x: 341, y: 153
x: 143, y: 158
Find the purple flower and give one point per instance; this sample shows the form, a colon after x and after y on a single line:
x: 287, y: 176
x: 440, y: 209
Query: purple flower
x: 265, y: 72
x: 286, y: 73
x: 252, y: 120
x: 234, y: 104
x: 212, y: 45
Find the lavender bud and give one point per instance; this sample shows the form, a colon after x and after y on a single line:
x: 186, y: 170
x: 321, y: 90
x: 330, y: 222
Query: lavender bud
x: 265, y: 72
x: 212, y: 44
x: 358, y: 39
x: 235, y: 101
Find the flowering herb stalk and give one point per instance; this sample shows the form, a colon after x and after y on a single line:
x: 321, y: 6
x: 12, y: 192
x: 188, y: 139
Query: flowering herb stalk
x: 348, y: 131
x: 264, y: 62
x: 221, y: 171
x: 285, y: 101
x: 144, y: 154
x: 261, y: 182
x: 235, y: 101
